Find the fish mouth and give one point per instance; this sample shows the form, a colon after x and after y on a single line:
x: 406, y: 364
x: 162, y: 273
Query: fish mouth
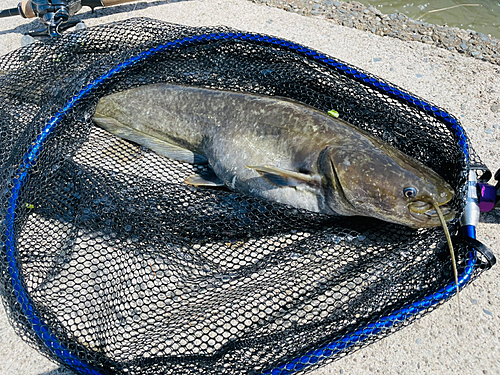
x: 425, y: 213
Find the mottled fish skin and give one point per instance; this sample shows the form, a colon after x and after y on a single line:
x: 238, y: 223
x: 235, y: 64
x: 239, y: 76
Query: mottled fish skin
x: 346, y: 171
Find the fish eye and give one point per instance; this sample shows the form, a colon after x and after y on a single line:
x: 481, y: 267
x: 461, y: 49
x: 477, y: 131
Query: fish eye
x: 410, y: 192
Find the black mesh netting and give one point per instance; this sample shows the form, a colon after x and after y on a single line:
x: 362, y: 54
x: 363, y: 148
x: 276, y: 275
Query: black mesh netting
x: 111, y: 264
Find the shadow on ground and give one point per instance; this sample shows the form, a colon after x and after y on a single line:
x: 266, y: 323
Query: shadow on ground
x: 492, y: 217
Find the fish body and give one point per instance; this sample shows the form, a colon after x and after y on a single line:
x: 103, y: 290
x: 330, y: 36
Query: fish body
x: 278, y: 149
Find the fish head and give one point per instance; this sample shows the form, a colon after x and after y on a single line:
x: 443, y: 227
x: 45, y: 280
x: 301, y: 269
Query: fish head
x: 384, y: 183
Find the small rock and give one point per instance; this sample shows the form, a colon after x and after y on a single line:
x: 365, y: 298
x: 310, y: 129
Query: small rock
x: 464, y: 46
x: 419, y: 75
x: 495, y: 108
x: 474, y: 301
x: 26, y: 40
x: 80, y: 26
x: 337, y: 3
x: 377, y: 59
x: 487, y: 312
x: 410, y: 67
x: 483, y: 37
x: 374, y: 10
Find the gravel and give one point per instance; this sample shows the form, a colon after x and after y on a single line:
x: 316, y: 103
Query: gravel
x: 398, y: 25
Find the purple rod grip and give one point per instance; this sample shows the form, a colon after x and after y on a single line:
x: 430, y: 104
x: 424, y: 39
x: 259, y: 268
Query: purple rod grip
x: 487, y: 197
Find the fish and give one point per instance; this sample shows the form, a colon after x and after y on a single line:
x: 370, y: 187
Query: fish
x: 280, y: 150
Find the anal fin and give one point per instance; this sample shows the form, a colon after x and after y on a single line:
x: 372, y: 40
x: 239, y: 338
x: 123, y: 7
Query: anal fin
x: 207, y: 179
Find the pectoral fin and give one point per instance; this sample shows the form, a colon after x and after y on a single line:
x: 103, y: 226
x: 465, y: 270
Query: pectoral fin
x: 157, y: 145
x: 283, y: 178
x: 207, y: 179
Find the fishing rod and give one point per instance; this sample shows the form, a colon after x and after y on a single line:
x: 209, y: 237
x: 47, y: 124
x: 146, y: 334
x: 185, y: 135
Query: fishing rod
x: 55, y: 14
